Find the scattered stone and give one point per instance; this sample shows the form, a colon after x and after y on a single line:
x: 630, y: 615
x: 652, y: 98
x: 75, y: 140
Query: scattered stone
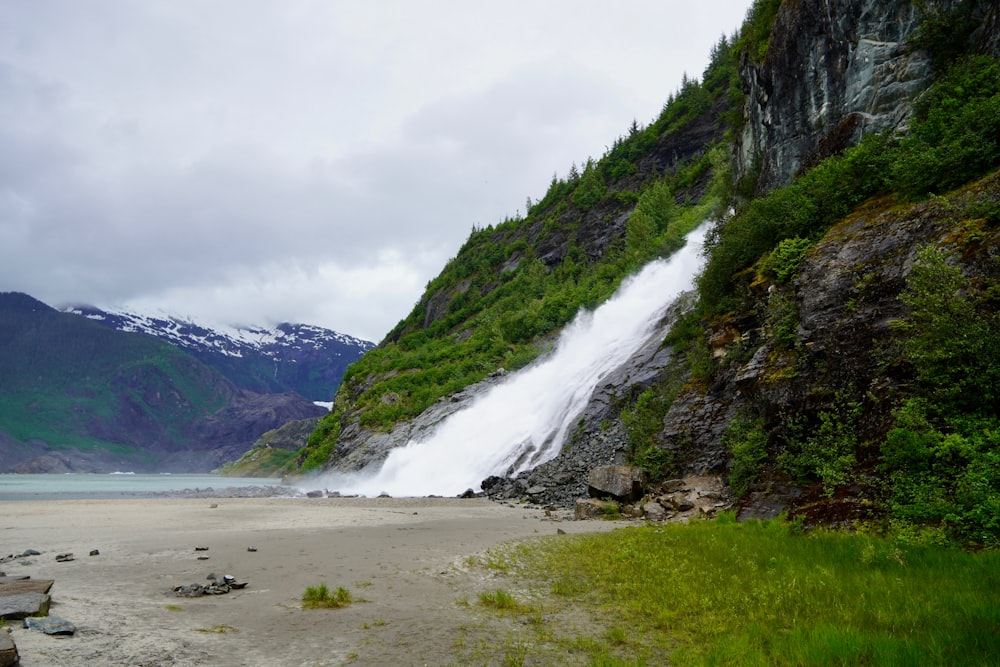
x: 64, y: 558
x: 314, y: 494
x: 16, y: 607
x: 211, y: 576
x: 654, y: 511
x: 8, y: 651
x: 201, y: 548
x: 95, y: 552
x: 560, y: 531
x: 384, y: 494
x: 591, y: 508
x: 50, y: 625
x: 213, y: 506
x: 203, y: 557
x: 24, y: 584
x: 251, y: 549
x: 468, y: 493
x: 30, y: 552
x: 672, y: 485
x: 684, y: 505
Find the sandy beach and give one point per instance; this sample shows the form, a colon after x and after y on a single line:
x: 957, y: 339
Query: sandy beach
x: 408, y: 559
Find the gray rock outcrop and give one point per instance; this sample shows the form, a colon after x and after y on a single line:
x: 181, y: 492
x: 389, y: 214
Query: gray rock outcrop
x: 622, y: 483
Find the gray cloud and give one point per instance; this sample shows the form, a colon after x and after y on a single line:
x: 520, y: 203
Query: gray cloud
x: 250, y: 161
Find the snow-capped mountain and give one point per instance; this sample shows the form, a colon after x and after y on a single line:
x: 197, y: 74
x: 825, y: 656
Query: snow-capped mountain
x: 306, y: 359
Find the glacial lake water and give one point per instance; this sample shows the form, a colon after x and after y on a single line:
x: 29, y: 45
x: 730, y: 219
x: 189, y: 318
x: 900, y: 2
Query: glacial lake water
x: 72, y: 486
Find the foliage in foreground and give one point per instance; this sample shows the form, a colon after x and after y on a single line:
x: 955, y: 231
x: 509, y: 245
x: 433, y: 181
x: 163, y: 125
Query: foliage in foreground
x: 764, y: 593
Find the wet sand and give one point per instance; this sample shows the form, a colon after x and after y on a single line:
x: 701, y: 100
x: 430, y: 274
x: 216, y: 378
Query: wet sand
x: 408, y: 559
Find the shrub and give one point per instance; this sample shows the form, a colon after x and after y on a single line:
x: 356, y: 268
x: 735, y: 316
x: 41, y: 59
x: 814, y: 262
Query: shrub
x: 643, y: 421
x: 783, y: 262
x: 747, y: 444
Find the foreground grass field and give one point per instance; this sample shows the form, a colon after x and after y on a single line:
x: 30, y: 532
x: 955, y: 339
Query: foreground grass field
x: 756, y: 593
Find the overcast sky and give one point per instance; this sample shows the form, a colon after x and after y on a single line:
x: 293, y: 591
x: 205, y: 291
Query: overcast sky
x: 259, y: 161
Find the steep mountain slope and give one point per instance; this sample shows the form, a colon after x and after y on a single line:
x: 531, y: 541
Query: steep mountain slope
x: 305, y: 359
x: 79, y: 396
x: 839, y: 357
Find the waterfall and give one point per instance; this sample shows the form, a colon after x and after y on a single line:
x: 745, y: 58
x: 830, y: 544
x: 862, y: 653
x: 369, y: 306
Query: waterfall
x: 523, y: 422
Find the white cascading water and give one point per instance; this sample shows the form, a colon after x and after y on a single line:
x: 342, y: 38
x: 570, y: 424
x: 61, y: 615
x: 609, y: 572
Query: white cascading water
x: 522, y: 423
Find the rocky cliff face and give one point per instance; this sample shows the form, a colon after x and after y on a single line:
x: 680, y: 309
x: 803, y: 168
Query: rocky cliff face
x: 833, y: 71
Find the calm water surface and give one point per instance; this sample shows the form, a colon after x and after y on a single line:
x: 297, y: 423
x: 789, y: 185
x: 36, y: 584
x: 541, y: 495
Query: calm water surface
x: 120, y: 485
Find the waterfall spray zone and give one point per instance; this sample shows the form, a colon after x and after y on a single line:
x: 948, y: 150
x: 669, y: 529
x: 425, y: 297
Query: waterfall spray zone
x: 523, y: 422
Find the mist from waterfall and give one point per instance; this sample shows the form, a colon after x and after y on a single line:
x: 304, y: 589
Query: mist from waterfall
x: 523, y: 422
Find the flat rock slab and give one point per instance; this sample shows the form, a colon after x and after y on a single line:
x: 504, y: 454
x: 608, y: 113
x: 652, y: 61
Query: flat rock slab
x: 8, y: 651
x: 18, y: 585
x: 16, y: 607
x: 50, y: 625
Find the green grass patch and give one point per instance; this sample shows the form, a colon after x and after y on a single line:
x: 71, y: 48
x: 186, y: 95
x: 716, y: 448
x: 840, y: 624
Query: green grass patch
x: 222, y: 629
x: 321, y: 597
x: 499, y: 599
x: 760, y: 593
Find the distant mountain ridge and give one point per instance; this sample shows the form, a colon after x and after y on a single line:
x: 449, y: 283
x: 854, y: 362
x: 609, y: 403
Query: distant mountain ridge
x: 303, y: 358
x: 77, y: 396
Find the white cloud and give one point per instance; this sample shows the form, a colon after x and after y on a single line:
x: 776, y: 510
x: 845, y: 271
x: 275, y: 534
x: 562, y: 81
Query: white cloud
x: 313, y: 162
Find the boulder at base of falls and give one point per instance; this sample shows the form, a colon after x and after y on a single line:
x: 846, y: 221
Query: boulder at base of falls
x: 622, y: 483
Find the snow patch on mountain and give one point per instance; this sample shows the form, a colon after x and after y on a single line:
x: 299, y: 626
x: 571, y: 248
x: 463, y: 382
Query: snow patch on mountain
x: 230, y: 340
x: 303, y: 358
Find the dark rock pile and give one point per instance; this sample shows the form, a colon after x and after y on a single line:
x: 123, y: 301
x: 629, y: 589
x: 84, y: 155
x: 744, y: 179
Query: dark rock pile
x: 214, y: 587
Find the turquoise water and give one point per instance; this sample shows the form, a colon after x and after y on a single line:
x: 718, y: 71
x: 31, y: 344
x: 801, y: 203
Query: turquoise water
x: 121, y: 485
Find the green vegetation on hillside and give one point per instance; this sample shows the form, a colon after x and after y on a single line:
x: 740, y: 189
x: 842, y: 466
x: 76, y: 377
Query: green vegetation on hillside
x: 64, y: 378
x: 512, y: 286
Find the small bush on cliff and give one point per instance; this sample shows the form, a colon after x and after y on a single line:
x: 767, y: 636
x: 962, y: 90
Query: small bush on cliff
x: 747, y: 444
x: 783, y: 262
x: 827, y: 450
x: 643, y: 422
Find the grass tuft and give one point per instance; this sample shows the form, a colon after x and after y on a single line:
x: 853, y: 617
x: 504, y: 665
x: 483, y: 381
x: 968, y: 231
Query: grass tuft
x: 498, y: 599
x: 320, y: 597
